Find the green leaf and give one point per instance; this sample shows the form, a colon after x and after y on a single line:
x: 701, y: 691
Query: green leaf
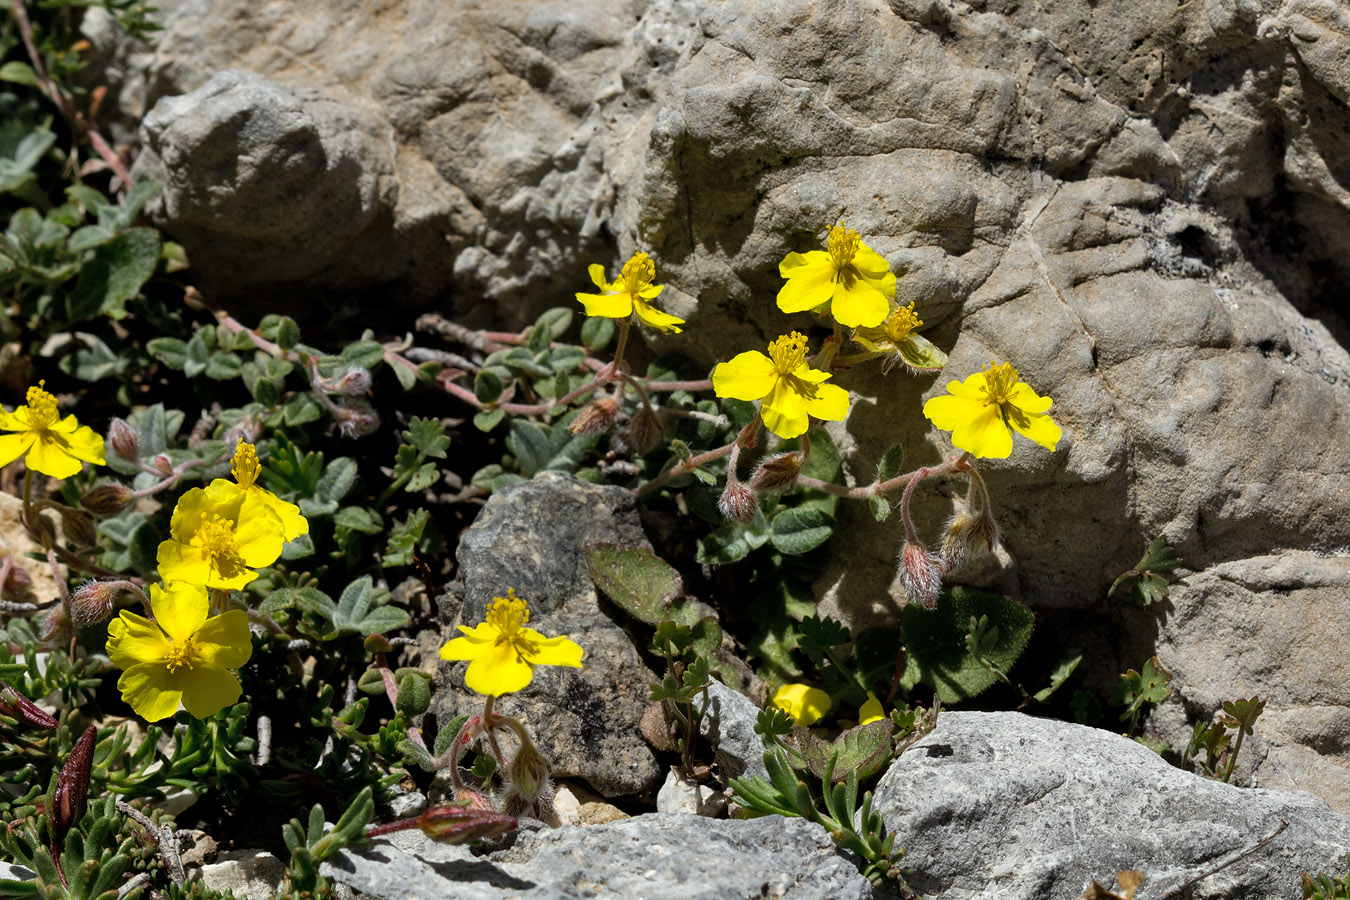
x: 403, y: 540
x: 19, y: 72
x: 337, y: 479
x: 488, y: 419
x: 428, y: 436
x: 114, y: 274
x: 892, y: 463
x: 597, y: 332
x: 359, y: 518
x: 223, y: 366
x: 530, y: 445
x: 367, y: 354
x: 1061, y: 673
x: 1152, y: 684
x: 414, y: 695
x: 1149, y: 589
x: 1159, y: 557
x: 880, y: 506
x: 639, y: 581
x: 487, y: 386
x: 820, y: 634
x: 557, y: 320
x: 799, y: 529
x: 935, y: 642
x: 864, y: 749
x: 726, y: 544
x: 288, y: 333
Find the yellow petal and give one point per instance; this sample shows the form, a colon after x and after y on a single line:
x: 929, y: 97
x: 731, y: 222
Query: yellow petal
x: 293, y: 524
x: 804, y: 703
x: 150, y: 690
x: 208, y: 689
x: 188, y: 514
x: 651, y: 291
x: 597, y: 273
x: 11, y: 422
x: 873, y: 266
x: 259, y: 534
x: 182, y: 562
x: 134, y: 639
x: 871, y: 711
x: 829, y: 403
x: 50, y: 458
x: 224, y: 640
x: 973, y: 388
x: 471, y: 646
x: 976, y: 427
x: 809, y: 282
x: 1037, y: 426
x: 81, y: 441
x: 558, y: 651
x: 180, y: 608
x: 652, y: 316
x: 609, y: 306
x: 497, y: 670
x: 746, y: 376
x: 12, y: 446
x: 1027, y: 400
x: 784, y: 411
x: 859, y: 304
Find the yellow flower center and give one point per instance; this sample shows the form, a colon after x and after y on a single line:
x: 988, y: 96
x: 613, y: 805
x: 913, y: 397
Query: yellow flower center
x: 999, y: 381
x: 41, y: 408
x: 788, y: 353
x: 638, y: 273
x: 900, y: 323
x: 216, y: 540
x: 843, y: 246
x: 180, y: 655
x: 508, y: 615
x: 245, y: 466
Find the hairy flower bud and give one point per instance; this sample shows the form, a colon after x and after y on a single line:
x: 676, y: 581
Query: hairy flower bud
x: 17, y: 706
x: 57, y: 627
x: 78, y: 527
x: 72, y: 785
x: 968, y: 537
x: 357, y: 419
x: 108, y: 499
x: 163, y: 463
x: 920, y: 575
x: 778, y: 473
x: 645, y: 433
x: 94, y: 601
x: 457, y: 825
x: 738, y: 503
x: 354, y: 382
x: 471, y: 798
x: 529, y: 787
x: 596, y: 417
x: 18, y: 583
x: 124, y: 441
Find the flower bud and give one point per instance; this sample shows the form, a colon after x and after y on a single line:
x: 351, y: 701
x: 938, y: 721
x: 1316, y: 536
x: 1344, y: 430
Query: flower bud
x: 17, y: 706
x: 124, y: 441
x: 968, y: 537
x: 56, y: 627
x: 920, y: 575
x: 163, y: 463
x: 72, y: 785
x: 108, y: 499
x: 354, y: 382
x: 738, y: 503
x: 357, y: 419
x: 18, y: 583
x: 78, y: 526
x: 468, y: 797
x: 529, y: 787
x: 596, y: 417
x: 645, y: 433
x: 457, y: 825
x: 94, y: 602
x: 776, y: 473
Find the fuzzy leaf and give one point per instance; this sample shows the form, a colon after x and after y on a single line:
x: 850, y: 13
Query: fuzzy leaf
x: 799, y: 529
x: 935, y: 641
x: 639, y: 581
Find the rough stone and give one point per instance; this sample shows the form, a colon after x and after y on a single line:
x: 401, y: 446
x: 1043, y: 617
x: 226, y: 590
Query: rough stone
x: 249, y: 873
x: 729, y: 726
x: 658, y: 857
x: 680, y: 795
x: 531, y: 537
x: 1006, y: 805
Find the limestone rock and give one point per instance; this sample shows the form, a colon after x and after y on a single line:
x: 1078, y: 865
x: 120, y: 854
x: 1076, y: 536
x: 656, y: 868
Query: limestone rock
x: 657, y: 857
x: 729, y: 726
x: 1006, y: 805
x: 249, y: 873
x: 531, y: 537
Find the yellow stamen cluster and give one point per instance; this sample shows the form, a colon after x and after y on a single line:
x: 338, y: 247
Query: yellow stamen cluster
x: 788, y: 352
x: 180, y: 655
x: 245, y: 466
x: 843, y: 245
x: 216, y: 540
x: 41, y: 407
x: 638, y: 273
x: 508, y: 614
x: 999, y: 381
x: 901, y: 322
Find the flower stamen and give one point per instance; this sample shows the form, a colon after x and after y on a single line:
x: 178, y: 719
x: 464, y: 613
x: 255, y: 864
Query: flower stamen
x: 216, y: 539
x: 843, y: 246
x: 41, y: 407
x: 638, y: 273
x: 245, y: 466
x: 999, y: 381
x: 180, y: 655
x: 900, y: 323
x: 788, y: 352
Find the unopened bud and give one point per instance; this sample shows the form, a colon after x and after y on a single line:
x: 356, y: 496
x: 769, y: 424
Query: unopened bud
x: 468, y: 797
x: 529, y: 787
x: 354, y: 382
x: 645, y: 433
x: 378, y: 643
x: 17, y: 706
x: 56, y: 628
x: 776, y: 473
x: 108, y: 499
x: 18, y: 583
x: 968, y: 537
x: 458, y: 825
x: 79, y: 527
x: 94, y: 602
x: 72, y: 785
x: 920, y: 575
x: 738, y: 503
x: 124, y: 441
x: 163, y: 463
x: 596, y: 417
x: 357, y: 419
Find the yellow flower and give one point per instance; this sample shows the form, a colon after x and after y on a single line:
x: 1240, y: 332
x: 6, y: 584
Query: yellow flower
x: 629, y: 295
x: 871, y: 711
x: 216, y: 534
x: 246, y: 469
x: 849, y: 275
x: 791, y: 390
x: 180, y: 655
x: 979, y: 410
x: 502, y: 652
x: 801, y: 701
x: 56, y: 447
x: 896, y: 340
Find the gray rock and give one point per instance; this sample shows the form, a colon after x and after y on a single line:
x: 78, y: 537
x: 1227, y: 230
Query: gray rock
x: 16, y: 873
x: 656, y: 857
x: 530, y: 537
x: 249, y: 873
x: 680, y: 795
x: 1005, y: 805
x: 730, y: 727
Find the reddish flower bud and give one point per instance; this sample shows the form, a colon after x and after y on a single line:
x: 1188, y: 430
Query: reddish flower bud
x: 18, y: 583
x: 163, y: 463
x: 596, y: 417
x: 72, y: 785
x: 968, y: 537
x: 108, y: 499
x: 124, y: 441
x: 472, y: 798
x: 645, y: 433
x: 94, y: 601
x: 738, y: 503
x: 17, y: 706
x: 920, y: 575
x: 458, y: 825
x: 57, y: 627
x: 78, y: 526
x: 776, y: 473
